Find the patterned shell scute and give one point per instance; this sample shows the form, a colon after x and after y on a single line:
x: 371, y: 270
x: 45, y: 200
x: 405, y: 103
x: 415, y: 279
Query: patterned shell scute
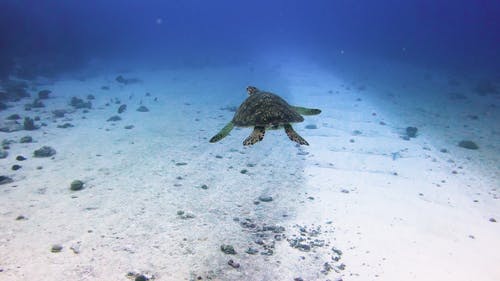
x: 265, y: 109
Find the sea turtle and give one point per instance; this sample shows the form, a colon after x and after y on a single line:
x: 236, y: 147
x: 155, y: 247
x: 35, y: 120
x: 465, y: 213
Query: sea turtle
x: 265, y: 110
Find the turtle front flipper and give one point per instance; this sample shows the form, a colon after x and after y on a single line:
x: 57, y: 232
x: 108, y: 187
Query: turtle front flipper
x: 256, y: 136
x: 223, y: 133
x: 306, y: 111
x: 290, y: 132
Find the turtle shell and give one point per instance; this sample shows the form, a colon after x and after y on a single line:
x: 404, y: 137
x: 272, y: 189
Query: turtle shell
x: 265, y: 109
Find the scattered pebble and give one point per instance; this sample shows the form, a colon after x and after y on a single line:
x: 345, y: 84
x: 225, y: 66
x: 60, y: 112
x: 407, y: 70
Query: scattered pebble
x: 244, y: 171
x: 16, y: 167
x: 265, y: 198
x: 20, y: 218
x: 122, y: 108
x: 44, y: 94
x: 5, y: 180
x: 65, y: 125
x: 142, y: 108
x: 204, y: 186
x: 128, y: 127
x: 114, y: 118
x: 468, y: 144
x: 76, y: 185
x: 29, y: 124
x: 56, y: 248
x: 45, y: 151
x: 311, y: 126
x: 492, y: 220
x: 20, y: 158
x: 181, y: 164
x: 26, y: 139
x: 141, y: 277
x: 13, y: 117
x: 411, y: 132
x: 251, y: 251
x: 183, y: 215
x: 79, y: 103
x: 233, y: 264
x: 59, y: 113
x: 227, y: 249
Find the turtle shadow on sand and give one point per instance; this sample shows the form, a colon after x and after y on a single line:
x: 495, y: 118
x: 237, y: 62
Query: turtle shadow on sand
x: 265, y: 110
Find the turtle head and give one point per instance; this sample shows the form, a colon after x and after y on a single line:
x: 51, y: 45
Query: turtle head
x: 252, y: 90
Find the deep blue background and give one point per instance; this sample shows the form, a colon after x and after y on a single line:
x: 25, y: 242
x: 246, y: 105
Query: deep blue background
x: 51, y: 36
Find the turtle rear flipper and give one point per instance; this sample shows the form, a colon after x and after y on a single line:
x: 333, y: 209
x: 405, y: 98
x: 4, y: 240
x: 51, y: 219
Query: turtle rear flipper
x: 223, y: 133
x: 290, y: 132
x: 306, y: 111
x: 256, y: 136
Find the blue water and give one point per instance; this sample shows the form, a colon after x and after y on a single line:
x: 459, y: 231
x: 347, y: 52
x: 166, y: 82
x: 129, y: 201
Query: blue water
x: 47, y: 37
x: 365, y: 201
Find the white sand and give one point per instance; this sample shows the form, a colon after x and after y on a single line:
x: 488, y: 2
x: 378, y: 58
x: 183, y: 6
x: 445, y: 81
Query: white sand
x: 397, y: 210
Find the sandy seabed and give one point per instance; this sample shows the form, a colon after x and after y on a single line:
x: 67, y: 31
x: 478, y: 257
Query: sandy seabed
x: 359, y: 203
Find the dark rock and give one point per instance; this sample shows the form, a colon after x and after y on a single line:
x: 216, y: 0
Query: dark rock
x: 251, y: 251
x: 492, y: 220
x: 79, y: 103
x: 16, y: 167
x: 204, y: 186
x: 142, y: 108
x: 486, y: 87
x: 122, y: 108
x: 5, y: 180
x: 114, y: 118
x: 20, y: 158
x: 128, y: 127
x: 65, y: 125
x: 227, y: 249
x: 141, y: 277
x: 26, y: 139
x: 45, y: 151
x: 244, y: 171
x: 105, y: 88
x: 59, y: 113
x: 411, y: 132
x: 311, y: 126
x: 20, y: 218
x: 76, y: 185
x: 468, y: 144
x: 14, y: 117
x: 11, y: 126
x: 37, y: 103
x: 44, y: 94
x: 233, y: 264
x: 14, y: 90
x: 90, y: 97
x: 180, y: 164
x: 126, y: 81
x: 29, y: 124
x: 265, y: 198
x: 56, y: 248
